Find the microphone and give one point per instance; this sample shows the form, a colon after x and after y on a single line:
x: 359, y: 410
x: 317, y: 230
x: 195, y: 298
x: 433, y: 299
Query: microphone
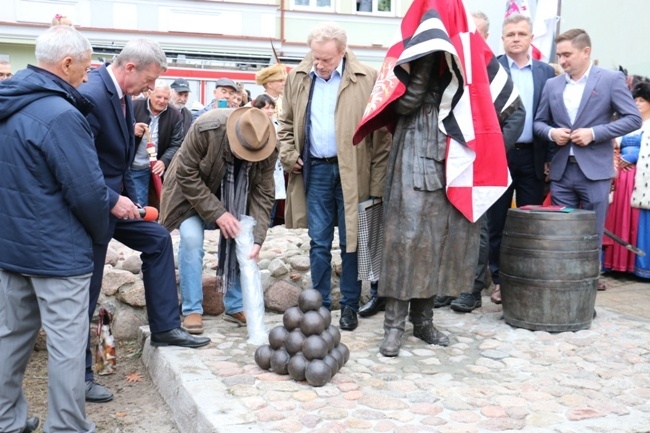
x: 148, y: 213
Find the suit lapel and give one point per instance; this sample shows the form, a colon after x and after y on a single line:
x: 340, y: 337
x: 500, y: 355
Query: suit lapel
x: 130, y: 133
x: 556, y: 96
x: 123, y: 123
x: 538, y: 80
x: 115, y: 102
x: 594, y: 76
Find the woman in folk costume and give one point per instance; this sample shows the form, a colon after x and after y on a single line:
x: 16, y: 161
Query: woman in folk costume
x: 641, y: 192
x: 622, y: 218
x: 431, y: 243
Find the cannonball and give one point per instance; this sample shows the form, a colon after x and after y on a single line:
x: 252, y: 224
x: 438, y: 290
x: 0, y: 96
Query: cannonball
x: 318, y: 373
x: 297, y: 366
x: 336, y: 334
x: 326, y: 315
x: 277, y: 336
x: 279, y: 361
x: 314, y: 347
x: 312, y: 323
x: 310, y: 299
x: 345, y: 351
x: 336, y: 354
x: 293, y: 342
x: 325, y: 335
x: 291, y: 318
x: 332, y: 363
x: 263, y: 356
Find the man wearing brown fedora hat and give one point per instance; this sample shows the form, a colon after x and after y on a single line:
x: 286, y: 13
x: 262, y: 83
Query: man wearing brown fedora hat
x: 223, y: 170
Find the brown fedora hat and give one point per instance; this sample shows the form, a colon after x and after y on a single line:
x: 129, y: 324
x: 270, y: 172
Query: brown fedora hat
x: 251, y: 134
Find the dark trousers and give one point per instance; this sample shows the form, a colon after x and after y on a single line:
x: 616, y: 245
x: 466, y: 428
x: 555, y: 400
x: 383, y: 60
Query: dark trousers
x: 529, y: 189
x: 159, y: 276
x: 483, y: 252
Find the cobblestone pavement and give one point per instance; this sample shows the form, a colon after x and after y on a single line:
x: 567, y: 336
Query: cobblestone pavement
x: 492, y: 377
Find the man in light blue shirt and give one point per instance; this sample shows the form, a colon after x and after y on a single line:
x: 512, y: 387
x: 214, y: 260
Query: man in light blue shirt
x: 324, y: 99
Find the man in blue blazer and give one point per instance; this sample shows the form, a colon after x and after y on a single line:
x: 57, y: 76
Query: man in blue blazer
x: 526, y: 160
x: 110, y: 88
x: 576, y: 113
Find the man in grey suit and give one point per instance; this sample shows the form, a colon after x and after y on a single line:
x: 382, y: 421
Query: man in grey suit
x: 576, y: 113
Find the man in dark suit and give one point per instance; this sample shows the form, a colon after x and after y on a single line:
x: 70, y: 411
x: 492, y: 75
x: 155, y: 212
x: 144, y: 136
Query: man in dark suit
x: 576, y: 113
x: 512, y: 128
x: 526, y: 160
x: 109, y: 87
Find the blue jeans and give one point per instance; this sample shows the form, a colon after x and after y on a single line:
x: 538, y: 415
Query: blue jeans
x: 325, y: 208
x: 190, y: 268
x: 141, y: 179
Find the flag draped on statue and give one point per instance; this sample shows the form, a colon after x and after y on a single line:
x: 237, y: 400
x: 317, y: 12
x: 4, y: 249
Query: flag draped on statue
x: 544, y: 29
x: 479, y: 90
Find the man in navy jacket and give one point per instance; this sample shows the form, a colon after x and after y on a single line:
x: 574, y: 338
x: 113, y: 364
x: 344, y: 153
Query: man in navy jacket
x: 54, y: 204
x: 109, y: 87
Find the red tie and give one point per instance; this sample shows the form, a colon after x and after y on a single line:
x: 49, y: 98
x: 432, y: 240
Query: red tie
x: 123, y: 102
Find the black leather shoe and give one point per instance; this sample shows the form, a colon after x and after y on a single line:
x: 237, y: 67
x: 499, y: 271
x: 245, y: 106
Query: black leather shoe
x: 178, y: 337
x: 466, y: 303
x: 95, y: 393
x: 373, y: 306
x: 31, y: 425
x: 349, y: 319
x: 442, y: 301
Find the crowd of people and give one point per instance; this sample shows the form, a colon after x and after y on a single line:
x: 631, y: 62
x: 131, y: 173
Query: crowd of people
x: 84, y: 152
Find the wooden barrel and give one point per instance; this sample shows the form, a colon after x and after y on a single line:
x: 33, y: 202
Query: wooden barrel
x: 549, y: 269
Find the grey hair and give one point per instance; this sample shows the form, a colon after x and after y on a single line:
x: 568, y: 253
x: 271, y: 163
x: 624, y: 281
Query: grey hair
x: 162, y: 84
x: 59, y: 42
x: 481, y: 15
x: 328, y: 31
x: 5, y: 62
x: 517, y: 18
x: 142, y: 53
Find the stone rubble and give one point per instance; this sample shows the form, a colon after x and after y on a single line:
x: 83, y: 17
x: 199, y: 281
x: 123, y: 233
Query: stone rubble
x: 284, y: 268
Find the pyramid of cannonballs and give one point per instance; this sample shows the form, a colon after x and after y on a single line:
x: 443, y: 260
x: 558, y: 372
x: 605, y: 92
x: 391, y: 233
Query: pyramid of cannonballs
x: 306, y: 346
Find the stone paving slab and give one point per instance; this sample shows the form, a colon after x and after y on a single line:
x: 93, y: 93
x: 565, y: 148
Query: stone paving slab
x: 492, y: 377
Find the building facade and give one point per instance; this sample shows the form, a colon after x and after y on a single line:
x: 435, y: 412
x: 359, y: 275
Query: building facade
x: 206, y: 39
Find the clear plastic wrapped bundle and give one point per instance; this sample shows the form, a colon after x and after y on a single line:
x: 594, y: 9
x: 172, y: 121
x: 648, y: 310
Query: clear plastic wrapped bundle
x: 251, y: 283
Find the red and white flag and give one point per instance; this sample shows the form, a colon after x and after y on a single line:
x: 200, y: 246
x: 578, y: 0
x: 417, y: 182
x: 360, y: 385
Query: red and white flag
x: 544, y: 29
x: 477, y: 90
x: 517, y: 7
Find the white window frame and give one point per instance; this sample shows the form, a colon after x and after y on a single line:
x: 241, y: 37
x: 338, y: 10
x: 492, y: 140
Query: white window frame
x: 376, y: 11
x: 313, y: 6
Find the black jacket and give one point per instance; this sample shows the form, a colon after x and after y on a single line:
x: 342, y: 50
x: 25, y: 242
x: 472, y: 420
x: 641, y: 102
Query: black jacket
x: 170, y: 129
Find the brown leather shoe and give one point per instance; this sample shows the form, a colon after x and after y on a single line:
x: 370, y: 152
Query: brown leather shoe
x: 238, y: 318
x: 193, y: 323
x: 496, y: 294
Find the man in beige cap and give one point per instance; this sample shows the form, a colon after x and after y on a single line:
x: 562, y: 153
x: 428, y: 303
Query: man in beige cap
x: 273, y: 79
x: 219, y: 174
